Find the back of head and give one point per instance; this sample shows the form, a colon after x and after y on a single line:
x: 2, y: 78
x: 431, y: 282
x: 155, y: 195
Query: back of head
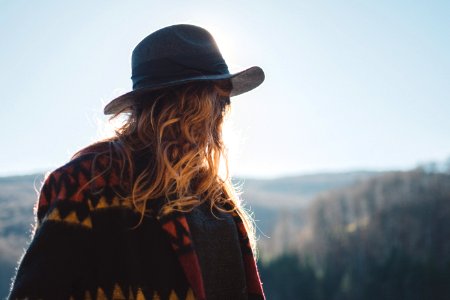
x: 175, y: 135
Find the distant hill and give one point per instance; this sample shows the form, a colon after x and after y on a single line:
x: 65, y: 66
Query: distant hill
x: 296, y: 191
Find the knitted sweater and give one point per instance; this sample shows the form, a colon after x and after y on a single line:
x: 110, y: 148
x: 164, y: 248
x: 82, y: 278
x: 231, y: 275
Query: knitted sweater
x: 85, y: 247
x: 218, y: 251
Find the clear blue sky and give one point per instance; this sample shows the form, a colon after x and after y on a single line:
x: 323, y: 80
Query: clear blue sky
x: 349, y: 84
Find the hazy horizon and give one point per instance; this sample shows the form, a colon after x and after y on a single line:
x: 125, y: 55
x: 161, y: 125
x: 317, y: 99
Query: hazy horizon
x: 276, y: 176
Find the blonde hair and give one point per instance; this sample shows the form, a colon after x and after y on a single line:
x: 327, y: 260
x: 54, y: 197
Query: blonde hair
x: 179, y: 131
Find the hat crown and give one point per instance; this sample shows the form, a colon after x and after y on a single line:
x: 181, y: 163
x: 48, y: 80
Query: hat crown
x: 186, y: 40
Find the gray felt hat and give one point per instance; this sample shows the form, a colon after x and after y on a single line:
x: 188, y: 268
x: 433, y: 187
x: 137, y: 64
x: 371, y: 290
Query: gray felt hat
x: 176, y: 55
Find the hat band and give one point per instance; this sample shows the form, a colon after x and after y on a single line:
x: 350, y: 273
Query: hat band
x: 166, y: 70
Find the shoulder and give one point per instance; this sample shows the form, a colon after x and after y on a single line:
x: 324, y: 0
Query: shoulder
x: 66, y: 180
x: 90, y: 179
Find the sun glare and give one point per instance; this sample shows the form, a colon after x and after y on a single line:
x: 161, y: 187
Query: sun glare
x: 106, y: 128
x: 225, y: 42
x: 233, y: 142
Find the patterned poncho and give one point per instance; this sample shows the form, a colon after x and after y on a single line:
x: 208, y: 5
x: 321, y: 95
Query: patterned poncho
x: 86, y: 245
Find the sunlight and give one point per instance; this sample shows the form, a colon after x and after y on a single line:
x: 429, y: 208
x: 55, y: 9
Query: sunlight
x: 233, y: 141
x: 105, y: 127
x: 224, y: 41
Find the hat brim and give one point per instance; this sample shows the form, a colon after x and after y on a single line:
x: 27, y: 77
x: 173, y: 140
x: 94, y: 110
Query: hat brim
x: 241, y: 82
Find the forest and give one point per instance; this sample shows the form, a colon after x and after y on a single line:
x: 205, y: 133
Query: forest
x: 384, y: 238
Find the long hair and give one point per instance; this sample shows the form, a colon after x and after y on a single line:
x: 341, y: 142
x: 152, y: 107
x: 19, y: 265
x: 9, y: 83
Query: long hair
x: 176, y: 134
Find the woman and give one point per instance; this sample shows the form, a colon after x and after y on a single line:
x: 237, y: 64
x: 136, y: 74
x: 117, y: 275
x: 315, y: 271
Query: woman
x: 145, y: 214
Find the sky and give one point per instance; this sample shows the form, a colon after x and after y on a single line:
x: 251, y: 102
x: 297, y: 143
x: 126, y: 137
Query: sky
x: 350, y: 85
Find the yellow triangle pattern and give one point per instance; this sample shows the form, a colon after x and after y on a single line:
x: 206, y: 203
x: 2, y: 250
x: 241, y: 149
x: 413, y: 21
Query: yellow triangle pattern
x: 115, y: 202
x: 103, y: 203
x: 190, y: 295
x: 140, y: 295
x: 87, y: 222
x: 173, y: 296
x: 101, y: 294
x: 117, y: 293
x: 128, y: 204
x: 71, y: 218
x: 54, y: 215
x: 87, y: 296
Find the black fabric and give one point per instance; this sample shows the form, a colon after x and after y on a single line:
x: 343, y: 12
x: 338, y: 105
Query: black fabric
x: 220, y: 258
x: 104, y: 258
x: 66, y: 261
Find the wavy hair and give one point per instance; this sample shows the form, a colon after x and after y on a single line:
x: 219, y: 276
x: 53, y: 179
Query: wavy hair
x: 177, y: 132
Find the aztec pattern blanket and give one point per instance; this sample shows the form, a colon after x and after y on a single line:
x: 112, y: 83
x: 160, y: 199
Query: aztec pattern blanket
x: 84, y: 247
